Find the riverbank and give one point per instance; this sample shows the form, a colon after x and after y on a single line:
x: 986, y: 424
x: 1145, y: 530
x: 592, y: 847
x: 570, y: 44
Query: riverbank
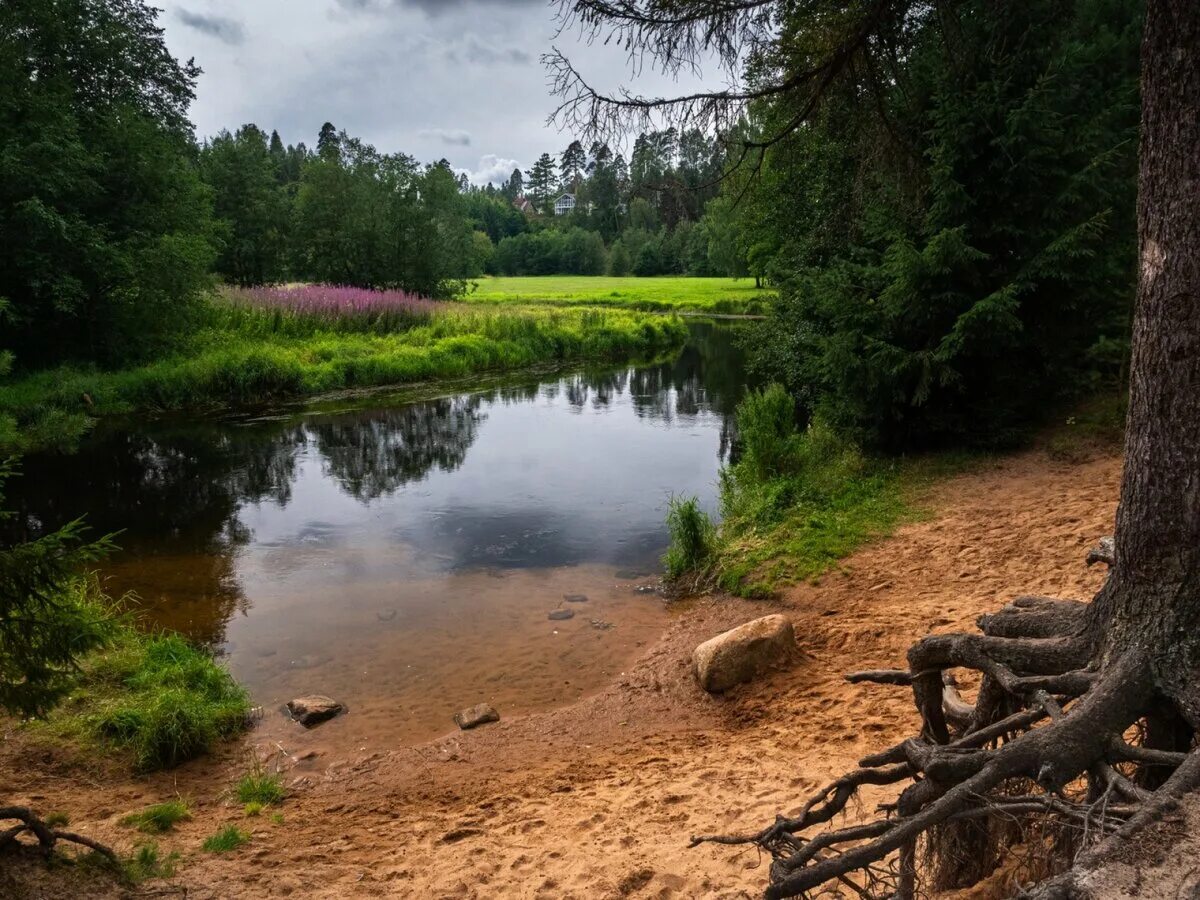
x: 599, y: 799
x: 724, y: 296
x: 231, y: 366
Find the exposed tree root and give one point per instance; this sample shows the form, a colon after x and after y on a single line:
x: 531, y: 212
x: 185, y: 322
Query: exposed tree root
x: 999, y: 759
x: 46, y: 835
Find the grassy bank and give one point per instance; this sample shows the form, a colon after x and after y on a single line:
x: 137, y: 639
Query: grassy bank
x: 794, y: 503
x: 153, y: 699
x: 720, y: 296
x: 246, y: 357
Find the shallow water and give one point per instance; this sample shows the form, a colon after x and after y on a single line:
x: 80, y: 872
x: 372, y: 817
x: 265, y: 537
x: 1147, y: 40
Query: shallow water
x: 403, y: 556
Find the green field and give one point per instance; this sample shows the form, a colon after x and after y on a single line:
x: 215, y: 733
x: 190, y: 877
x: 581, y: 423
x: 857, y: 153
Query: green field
x: 721, y: 296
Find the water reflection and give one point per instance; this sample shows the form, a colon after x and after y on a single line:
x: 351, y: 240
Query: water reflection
x: 219, y: 517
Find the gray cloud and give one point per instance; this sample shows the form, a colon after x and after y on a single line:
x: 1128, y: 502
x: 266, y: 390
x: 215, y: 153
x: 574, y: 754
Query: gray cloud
x: 464, y: 83
x: 433, y: 7
x: 224, y: 29
x: 453, y: 137
x: 470, y: 49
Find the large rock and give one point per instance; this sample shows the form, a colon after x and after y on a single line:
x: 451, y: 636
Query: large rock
x: 744, y: 653
x: 313, y: 709
x: 479, y: 714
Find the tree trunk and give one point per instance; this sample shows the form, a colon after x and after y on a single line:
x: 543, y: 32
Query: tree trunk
x: 1153, y: 598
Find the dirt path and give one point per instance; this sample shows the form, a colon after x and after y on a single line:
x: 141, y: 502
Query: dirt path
x: 599, y: 799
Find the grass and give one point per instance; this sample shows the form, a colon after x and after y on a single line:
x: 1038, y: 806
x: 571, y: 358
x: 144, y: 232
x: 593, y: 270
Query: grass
x: 261, y: 789
x: 158, y: 699
x: 159, y: 818
x: 147, y: 863
x: 727, y: 296
x: 692, y: 537
x: 248, y: 363
x: 227, y: 839
x: 794, y: 503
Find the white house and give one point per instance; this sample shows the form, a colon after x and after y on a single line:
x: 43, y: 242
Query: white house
x: 564, y: 204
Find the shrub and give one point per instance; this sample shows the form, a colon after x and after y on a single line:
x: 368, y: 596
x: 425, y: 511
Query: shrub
x: 692, y: 537
x: 766, y: 427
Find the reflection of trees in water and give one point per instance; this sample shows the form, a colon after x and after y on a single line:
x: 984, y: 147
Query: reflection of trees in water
x: 174, y: 496
x: 374, y: 453
x: 175, y: 491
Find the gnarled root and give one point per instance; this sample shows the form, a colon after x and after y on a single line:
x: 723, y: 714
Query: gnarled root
x: 1044, y: 744
x: 46, y: 835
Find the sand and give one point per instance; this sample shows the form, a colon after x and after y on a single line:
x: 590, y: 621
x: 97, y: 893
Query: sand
x: 599, y: 798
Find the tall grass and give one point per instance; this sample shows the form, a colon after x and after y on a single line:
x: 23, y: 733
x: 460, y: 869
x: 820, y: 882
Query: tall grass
x: 692, y: 537
x: 308, y: 309
x: 795, y: 502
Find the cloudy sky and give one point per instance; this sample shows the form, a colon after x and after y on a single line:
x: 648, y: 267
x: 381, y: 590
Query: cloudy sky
x: 459, y: 79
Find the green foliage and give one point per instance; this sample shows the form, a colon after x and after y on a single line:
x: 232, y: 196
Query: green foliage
x: 260, y: 787
x: 147, y: 863
x: 571, y: 251
x: 50, y: 612
x: 692, y: 538
x: 955, y: 253
x: 766, y: 423
x: 793, y: 503
x: 105, y: 223
x: 159, y: 818
x: 239, y: 363
x: 57, y: 820
x: 226, y: 840
x: 252, y: 204
x: 619, y: 263
x: 380, y: 220
x: 164, y: 699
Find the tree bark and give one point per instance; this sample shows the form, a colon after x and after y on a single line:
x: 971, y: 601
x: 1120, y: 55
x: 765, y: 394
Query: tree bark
x: 1153, y: 597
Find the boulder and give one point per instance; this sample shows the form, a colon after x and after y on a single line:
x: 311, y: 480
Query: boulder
x: 480, y: 714
x: 744, y: 653
x: 575, y: 598
x: 559, y: 615
x: 314, y: 709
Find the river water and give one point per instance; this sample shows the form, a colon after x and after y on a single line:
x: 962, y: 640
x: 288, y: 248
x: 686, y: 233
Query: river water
x: 403, y: 556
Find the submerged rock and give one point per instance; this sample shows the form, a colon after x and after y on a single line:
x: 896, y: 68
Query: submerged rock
x: 314, y: 709
x: 560, y: 614
x: 575, y: 598
x: 480, y: 714
x: 744, y: 653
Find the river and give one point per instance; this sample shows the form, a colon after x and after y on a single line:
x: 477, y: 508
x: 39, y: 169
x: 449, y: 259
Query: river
x: 403, y: 555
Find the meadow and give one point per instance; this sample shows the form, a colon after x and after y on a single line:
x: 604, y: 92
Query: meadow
x: 268, y: 344
x: 717, y: 296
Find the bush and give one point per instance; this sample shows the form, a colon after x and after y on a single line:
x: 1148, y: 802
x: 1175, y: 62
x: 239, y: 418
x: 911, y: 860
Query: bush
x: 692, y: 537
x: 766, y: 426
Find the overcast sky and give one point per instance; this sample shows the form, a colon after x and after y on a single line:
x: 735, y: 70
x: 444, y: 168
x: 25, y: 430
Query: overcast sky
x: 459, y: 79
